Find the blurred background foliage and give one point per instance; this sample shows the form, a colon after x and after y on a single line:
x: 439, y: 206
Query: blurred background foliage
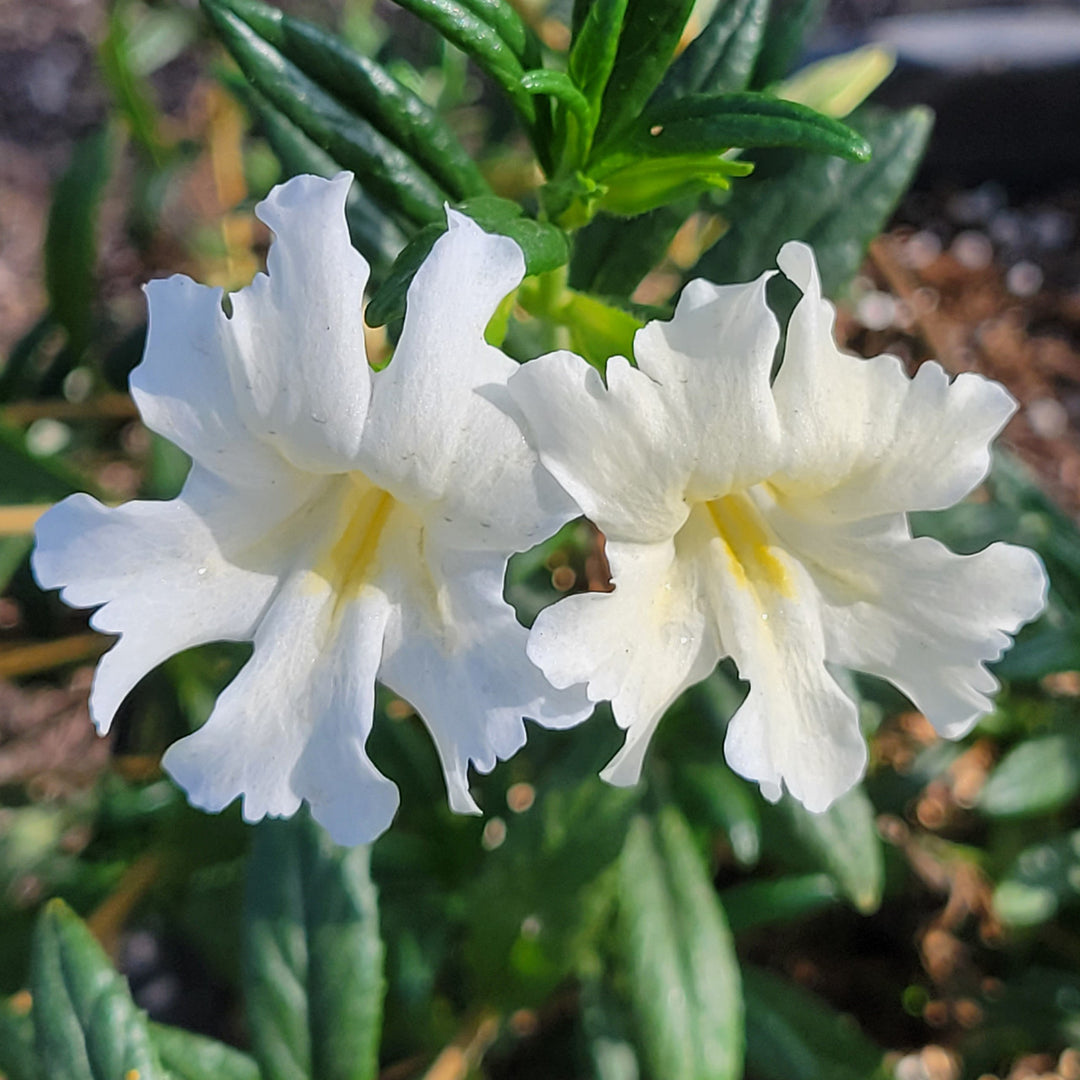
x: 928, y: 926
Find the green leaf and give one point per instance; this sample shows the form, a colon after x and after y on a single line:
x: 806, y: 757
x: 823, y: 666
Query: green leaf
x: 475, y: 36
x: 598, y: 331
x: 711, y: 794
x: 369, y: 91
x: 592, y: 54
x: 543, y: 245
x: 188, y: 1056
x: 373, y: 233
x: 71, y: 239
x: 385, y: 171
x: 787, y: 25
x: 835, y: 206
x: 700, y: 124
x: 843, y: 841
x: 18, y: 1059
x: 684, y: 978
x: 1038, y: 776
x: 131, y: 92
x: 757, y: 903
x: 722, y: 56
x: 1043, y: 879
x: 86, y: 1025
x: 650, y: 33
x: 539, y: 900
x: 29, y: 479
x: 793, y: 1035
x: 509, y: 25
x: 650, y: 183
x: 838, y: 85
x: 313, y: 958
x: 607, y: 1026
x: 612, y: 255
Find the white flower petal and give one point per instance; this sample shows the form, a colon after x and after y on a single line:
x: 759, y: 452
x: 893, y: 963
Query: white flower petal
x: 159, y: 572
x: 300, y: 371
x: 714, y: 360
x: 434, y: 435
x: 915, y: 613
x: 639, y: 646
x: 293, y: 724
x: 457, y: 653
x: 862, y: 438
x: 796, y: 728
x: 183, y: 388
x: 618, y: 450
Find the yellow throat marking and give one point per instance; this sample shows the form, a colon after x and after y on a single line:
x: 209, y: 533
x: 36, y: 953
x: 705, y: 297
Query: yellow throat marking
x: 750, y: 550
x: 349, y: 562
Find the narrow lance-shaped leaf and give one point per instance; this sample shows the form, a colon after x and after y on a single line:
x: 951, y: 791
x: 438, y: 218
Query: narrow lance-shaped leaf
x: 788, y: 23
x: 386, y: 171
x: 721, y: 58
x: 71, y: 239
x: 18, y: 1060
x: 684, y: 978
x: 370, y: 91
x: 650, y: 34
x: 543, y: 245
x: 510, y: 26
x: 592, y: 55
x: 478, y: 38
x: 373, y: 232
x: 188, y: 1056
x: 793, y: 1035
x: 86, y: 1025
x: 712, y: 123
x: 313, y: 968
x: 843, y: 841
x: 835, y: 206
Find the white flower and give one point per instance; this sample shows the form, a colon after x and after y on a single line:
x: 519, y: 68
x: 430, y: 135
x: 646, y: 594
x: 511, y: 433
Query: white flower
x: 351, y: 524
x: 767, y: 522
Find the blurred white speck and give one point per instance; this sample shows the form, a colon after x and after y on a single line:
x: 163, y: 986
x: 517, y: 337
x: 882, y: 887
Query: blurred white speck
x: 1024, y: 278
x: 1048, y: 418
x: 494, y: 834
x: 973, y: 250
x: 48, y: 82
x: 922, y: 249
x: 201, y: 571
x: 1052, y: 229
x: 78, y: 383
x: 876, y: 310
x: 531, y: 927
x: 46, y: 437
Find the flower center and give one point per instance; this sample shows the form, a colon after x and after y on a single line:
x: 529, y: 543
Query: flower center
x: 350, y: 561
x: 743, y: 531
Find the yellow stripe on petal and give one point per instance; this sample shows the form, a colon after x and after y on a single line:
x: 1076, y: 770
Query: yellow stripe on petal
x: 750, y: 548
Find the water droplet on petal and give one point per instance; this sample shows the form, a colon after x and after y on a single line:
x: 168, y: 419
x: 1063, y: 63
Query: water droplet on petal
x: 202, y: 571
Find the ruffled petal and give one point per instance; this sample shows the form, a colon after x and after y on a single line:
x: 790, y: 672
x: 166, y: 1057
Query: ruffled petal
x: 622, y: 454
x: 456, y: 651
x: 287, y: 373
x: 300, y: 371
x: 915, y: 613
x: 639, y: 646
x: 293, y: 724
x: 434, y: 437
x: 713, y: 361
x: 160, y: 574
x: 183, y: 387
x: 797, y: 728
x: 862, y: 438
